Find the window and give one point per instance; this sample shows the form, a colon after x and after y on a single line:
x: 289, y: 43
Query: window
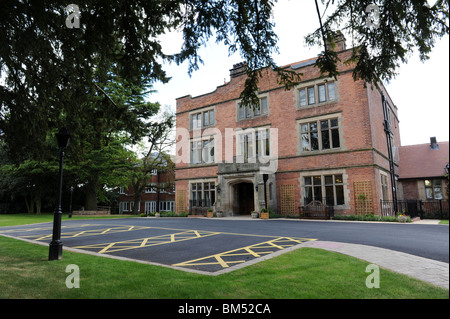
x: 433, y: 189
x: 123, y: 207
x: 203, y: 194
x: 202, y: 119
x: 248, y: 112
x: 328, y: 188
x: 316, y: 94
x: 322, y: 93
x: 245, y: 146
x: 150, y: 207
x: 122, y: 190
x: 311, y: 96
x: 320, y: 135
x: 138, y: 207
x: 331, y: 91
x: 303, y: 97
x: 150, y: 189
x: 202, y: 151
x: 253, y: 144
x: 167, y: 206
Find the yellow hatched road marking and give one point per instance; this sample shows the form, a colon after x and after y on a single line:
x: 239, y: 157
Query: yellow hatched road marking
x: 252, y: 250
x: 90, y: 232
x: 148, y: 242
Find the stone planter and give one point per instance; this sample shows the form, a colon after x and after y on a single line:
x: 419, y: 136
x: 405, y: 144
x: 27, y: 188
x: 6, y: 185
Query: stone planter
x: 157, y: 215
x: 210, y: 214
x: 219, y: 214
x: 255, y: 215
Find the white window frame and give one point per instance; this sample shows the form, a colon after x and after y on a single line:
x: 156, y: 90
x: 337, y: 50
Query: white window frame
x: 150, y: 206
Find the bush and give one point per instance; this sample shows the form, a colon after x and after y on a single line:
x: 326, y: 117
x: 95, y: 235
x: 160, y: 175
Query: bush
x: 369, y: 217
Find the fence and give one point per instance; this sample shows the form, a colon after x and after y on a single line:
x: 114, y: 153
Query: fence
x: 429, y: 209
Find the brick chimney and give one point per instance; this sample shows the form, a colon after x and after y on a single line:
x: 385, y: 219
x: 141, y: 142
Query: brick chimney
x: 238, y: 69
x: 337, y: 43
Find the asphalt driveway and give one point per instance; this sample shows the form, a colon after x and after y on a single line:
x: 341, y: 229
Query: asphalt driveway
x: 212, y: 245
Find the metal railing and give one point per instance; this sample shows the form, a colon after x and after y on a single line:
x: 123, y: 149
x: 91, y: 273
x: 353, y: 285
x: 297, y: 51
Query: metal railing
x: 436, y: 208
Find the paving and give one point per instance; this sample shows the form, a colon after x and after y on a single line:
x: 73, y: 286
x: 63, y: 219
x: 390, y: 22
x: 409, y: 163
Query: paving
x: 211, y: 249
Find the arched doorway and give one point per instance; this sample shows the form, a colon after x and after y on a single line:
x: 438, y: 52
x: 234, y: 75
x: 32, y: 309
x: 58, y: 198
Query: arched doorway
x: 243, y: 199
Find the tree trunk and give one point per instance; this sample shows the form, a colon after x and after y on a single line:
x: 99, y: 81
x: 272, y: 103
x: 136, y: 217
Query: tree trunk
x: 137, y: 202
x: 30, y: 204
x: 37, y: 201
x: 90, y: 201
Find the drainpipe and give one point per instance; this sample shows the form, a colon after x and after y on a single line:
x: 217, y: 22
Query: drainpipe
x: 387, y: 130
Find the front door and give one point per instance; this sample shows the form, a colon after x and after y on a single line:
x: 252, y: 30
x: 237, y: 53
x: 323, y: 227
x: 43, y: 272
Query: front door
x: 245, y: 199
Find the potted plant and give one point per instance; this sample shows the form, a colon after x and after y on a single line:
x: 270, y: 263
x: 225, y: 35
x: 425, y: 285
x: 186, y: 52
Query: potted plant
x: 402, y: 218
x: 157, y: 214
x: 210, y: 213
x: 254, y: 214
x: 264, y: 214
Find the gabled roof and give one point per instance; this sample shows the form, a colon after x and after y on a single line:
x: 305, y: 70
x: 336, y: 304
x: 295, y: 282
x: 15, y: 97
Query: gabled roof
x: 420, y: 161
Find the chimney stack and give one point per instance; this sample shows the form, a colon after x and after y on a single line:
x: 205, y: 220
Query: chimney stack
x: 433, y: 144
x: 336, y: 42
x: 238, y: 69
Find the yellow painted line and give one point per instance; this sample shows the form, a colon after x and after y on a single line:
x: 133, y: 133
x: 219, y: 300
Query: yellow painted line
x: 221, y: 262
x: 80, y: 233
x: 251, y: 252
x: 41, y: 238
x: 144, y: 242
x: 106, y: 248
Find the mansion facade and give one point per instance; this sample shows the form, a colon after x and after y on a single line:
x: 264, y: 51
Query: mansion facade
x: 330, y: 140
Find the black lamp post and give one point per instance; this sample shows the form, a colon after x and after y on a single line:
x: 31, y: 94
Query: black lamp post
x: 265, y: 178
x: 56, y: 245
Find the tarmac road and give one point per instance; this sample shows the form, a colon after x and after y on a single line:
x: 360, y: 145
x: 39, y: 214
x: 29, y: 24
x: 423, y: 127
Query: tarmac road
x: 428, y: 241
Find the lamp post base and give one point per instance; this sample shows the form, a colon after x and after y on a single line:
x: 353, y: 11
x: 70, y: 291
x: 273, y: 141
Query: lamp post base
x: 55, y: 252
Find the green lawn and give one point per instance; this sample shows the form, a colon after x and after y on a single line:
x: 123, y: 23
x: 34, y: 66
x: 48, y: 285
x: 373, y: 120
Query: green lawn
x: 304, y: 273
x: 23, y: 219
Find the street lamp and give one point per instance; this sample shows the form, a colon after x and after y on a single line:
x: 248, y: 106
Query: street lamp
x: 56, y: 245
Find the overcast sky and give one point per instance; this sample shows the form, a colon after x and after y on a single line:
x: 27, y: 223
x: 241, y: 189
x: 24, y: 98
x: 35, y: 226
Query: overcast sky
x: 420, y: 91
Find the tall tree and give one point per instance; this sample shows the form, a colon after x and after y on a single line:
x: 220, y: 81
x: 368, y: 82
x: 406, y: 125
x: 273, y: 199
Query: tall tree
x: 154, y: 156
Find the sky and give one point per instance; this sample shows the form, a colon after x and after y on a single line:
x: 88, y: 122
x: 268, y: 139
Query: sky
x: 420, y: 91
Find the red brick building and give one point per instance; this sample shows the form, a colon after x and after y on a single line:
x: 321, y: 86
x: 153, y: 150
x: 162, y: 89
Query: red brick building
x: 322, y: 140
x: 154, y: 198
x: 422, y: 171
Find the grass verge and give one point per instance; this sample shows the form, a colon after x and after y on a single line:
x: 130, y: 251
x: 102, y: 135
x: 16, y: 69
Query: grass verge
x: 306, y: 273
